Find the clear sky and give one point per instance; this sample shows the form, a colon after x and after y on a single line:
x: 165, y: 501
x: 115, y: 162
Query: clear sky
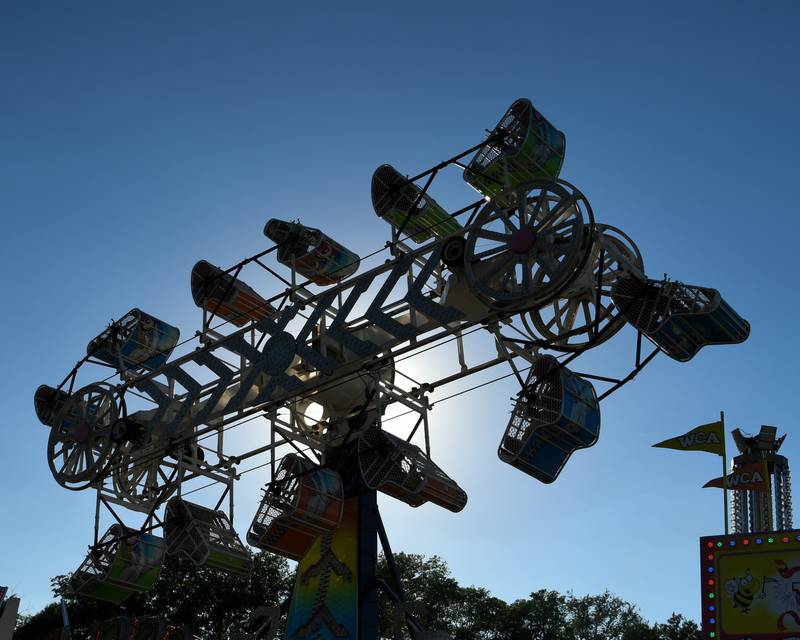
x: 137, y: 138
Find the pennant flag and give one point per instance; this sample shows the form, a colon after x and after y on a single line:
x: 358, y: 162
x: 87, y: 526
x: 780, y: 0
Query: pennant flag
x: 707, y: 437
x: 750, y: 477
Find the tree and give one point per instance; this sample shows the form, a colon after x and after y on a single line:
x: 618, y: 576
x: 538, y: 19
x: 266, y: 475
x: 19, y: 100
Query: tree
x: 466, y: 613
x: 425, y: 581
x: 473, y: 613
x: 677, y: 628
x: 542, y: 616
x: 212, y: 603
x: 217, y: 606
x: 605, y: 617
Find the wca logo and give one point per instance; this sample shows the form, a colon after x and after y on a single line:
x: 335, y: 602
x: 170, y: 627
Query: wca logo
x: 701, y: 437
x: 735, y: 479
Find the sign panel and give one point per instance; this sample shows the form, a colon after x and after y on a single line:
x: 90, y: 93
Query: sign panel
x: 751, y: 586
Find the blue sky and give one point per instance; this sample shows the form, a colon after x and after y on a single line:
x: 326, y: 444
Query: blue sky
x: 138, y: 138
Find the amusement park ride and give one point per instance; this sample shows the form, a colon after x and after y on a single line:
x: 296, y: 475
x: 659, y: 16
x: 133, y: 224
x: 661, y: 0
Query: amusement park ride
x: 322, y: 361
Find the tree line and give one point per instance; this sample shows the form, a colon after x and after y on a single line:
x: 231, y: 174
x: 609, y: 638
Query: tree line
x: 219, y: 606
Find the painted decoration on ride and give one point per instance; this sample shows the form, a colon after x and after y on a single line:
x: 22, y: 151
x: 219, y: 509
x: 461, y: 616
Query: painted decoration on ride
x: 402, y: 470
x: 313, y: 254
x: 301, y: 504
x: 325, y: 598
x: 680, y: 318
x: 556, y: 414
x: 136, y: 341
x: 395, y: 199
x: 226, y: 296
x: 122, y: 563
x: 524, y: 146
x: 750, y: 586
x: 205, y: 536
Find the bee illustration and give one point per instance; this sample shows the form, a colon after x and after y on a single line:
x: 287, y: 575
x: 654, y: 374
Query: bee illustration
x: 742, y: 591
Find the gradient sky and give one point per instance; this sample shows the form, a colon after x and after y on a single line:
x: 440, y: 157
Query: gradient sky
x: 136, y: 138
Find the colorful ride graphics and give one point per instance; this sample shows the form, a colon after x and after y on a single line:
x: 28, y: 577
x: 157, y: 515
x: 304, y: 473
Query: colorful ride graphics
x: 399, y: 202
x: 123, y: 563
x: 136, y: 341
x: 325, y: 598
x: 750, y: 586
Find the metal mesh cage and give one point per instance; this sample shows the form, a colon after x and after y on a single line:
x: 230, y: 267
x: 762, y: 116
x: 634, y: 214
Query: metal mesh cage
x: 750, y: 510
x: 48, y: 402
x: 557, y: 413
x: 403, y: 471
x: 311, y: 253
x: 525, y: 146
x: 393, y: 201
x: 122, y: 563
x: 755, y: 508
x: 777, y: 492
x: 783, y: 496
x: 300, y: 504
x: 681, y: 319
x: 760, y: 511
x: 739, y: 511
x: 231, y: 299
x: 136, y: 341
x: 206, y: 536
x: 786, y: 480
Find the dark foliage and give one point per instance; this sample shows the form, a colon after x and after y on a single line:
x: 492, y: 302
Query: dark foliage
x: 472, y: 613
x: 212, y: 603
x: 218, y: 606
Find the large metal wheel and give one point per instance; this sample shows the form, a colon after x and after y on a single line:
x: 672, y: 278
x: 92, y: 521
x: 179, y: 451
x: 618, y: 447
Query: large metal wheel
x: 80, y: 447
x: 583, y: 314
x: 522, y: 255
x: 142, y: 477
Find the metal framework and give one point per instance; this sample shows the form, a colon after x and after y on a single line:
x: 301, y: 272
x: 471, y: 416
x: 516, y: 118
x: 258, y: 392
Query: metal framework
x: 321, y: 367
x: 761, y: 511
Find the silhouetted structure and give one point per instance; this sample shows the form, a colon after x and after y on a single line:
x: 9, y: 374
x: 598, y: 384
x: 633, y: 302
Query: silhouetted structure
x: 759, y: 511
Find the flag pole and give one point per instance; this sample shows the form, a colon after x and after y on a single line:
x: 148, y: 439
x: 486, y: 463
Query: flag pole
x: 724, y: 472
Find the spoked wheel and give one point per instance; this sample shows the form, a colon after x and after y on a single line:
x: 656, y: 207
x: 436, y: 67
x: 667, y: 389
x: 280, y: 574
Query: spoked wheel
x: 583, y: 314
x: 522, y: 255
x: 143, y: 476
x: 80, y: 446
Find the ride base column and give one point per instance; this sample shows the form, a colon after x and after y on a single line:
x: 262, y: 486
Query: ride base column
x: 335, y: 593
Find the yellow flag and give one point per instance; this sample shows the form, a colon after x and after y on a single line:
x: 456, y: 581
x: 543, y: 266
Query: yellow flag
x: 707, y: 437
